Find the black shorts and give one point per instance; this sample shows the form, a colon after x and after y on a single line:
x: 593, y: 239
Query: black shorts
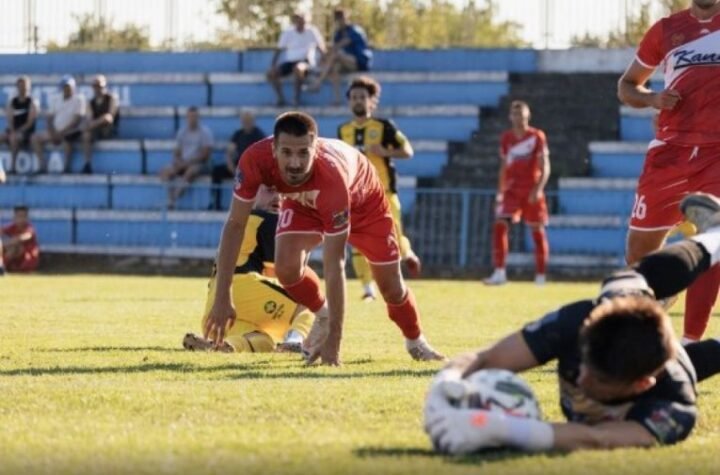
x: 104, y: 132
x: 72, y: 136
x: 288, y: 67
x: 25, y: 140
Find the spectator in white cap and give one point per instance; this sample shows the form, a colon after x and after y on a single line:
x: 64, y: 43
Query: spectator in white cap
x: 63, y: 123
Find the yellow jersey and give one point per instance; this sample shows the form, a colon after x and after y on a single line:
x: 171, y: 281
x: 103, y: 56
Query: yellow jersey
x: 375, y: 131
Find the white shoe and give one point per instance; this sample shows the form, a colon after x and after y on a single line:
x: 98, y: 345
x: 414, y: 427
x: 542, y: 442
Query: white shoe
x: 292, y: 343
x: 701, y: 209
x: 420, y: 350
x: 540, y: 279
x: 498, y: 277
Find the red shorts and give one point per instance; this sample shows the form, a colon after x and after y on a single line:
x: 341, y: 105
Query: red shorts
x: 670, y: 172
x: 374, y: 235
x: 516, y: 205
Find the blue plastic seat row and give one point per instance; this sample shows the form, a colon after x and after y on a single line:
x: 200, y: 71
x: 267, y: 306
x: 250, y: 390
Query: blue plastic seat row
x: 636, y: 124
x: 126, y: 192
x: 596, y: 196
x: 242, y: 89
x: 617, y: 159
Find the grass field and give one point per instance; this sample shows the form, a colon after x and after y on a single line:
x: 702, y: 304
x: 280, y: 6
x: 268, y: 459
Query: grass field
x: 93, y: 379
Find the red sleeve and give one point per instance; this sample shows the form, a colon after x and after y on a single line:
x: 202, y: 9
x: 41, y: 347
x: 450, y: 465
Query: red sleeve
x: 651, y: 53
x: 247, y: 175
x: 333, y: 205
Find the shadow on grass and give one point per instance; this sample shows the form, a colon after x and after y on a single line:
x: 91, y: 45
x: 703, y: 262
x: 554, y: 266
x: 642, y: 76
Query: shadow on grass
x: 483, y: 457
x: 107, y: 349
x: 310, y: 373
x: 142, y: 368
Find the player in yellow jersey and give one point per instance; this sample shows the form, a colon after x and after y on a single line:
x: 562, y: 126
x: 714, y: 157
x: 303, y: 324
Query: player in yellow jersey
x: 267, y: 318
x: 380, y: 141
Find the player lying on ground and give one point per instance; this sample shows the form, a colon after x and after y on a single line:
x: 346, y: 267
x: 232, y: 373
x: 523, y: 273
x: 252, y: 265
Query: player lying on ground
x: 267, y: 317
x: 624, y: 379
x: 332, y: 196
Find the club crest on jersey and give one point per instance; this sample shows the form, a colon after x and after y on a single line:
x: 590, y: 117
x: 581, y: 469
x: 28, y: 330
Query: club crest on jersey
x: 340, y: 220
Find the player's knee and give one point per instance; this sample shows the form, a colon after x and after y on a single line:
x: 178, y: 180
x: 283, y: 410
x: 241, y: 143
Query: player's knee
x: 392, y: 292
x: 287, y: 273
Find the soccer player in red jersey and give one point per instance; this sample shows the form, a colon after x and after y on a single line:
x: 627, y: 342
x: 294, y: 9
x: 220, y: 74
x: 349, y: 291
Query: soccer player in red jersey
x: 332, y: 196
x: 684, y: 156
x: 524, y: 172
x: 20, y: 249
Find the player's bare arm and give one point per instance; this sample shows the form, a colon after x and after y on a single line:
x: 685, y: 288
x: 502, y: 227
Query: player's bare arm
x: 544, y: 166
x: 334, y: 269
x: 511, y: 353
x: 501, y: 176
x: 404, y: 152
x: 632, y: 90
x: 222, y: 314
x: 609, y: 435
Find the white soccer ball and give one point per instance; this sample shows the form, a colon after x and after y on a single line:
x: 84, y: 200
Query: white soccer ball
x: 494, y: 390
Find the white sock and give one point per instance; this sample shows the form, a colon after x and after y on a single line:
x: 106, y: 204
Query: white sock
x: 324, y: 312
x: 686, y: 341
x: 294, y: 336
x: 416, y: 342
x: 369, y: 289
x: 710, y: 241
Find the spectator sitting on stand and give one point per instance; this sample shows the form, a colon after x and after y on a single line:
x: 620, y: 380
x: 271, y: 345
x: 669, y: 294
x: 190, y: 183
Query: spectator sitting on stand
x: 21, y: 112
x: 190, y: 157
x: 101, y: 123
x: 243, y: 137
x: 20, y: 250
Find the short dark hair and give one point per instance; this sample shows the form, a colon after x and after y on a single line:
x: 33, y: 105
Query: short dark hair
x: 20, y: 208
x: 365, y: 82
x: 627, y: 338
x: 340, y: 13
x: 519, y: 103
x: 296, y: 124
x: 192, y: 109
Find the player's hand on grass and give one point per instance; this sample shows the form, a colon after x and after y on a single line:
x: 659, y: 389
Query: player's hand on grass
x: 666, y: 99
x: 316, y: 339
x: 330, y: 352
x: 464, y: 431
x: 220, y: 319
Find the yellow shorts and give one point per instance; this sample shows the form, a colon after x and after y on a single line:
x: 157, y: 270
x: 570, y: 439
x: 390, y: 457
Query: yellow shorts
x: 261, y: 305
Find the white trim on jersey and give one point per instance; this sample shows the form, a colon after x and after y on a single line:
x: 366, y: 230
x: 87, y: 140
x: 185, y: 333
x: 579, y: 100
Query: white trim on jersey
x: 644, y: 64
x: 246, y: 200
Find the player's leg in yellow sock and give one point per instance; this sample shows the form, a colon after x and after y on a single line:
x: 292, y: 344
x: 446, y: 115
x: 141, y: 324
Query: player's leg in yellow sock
x: 364, y: 274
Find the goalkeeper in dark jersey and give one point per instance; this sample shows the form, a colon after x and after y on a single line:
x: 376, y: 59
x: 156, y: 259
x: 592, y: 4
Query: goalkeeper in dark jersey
x: 625, y: 380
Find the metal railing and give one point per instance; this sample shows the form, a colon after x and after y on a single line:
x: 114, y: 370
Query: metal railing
x: 31, y: 24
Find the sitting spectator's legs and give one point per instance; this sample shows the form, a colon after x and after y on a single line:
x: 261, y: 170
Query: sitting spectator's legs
x: 218, y: 174
x: 15, y: 140
x: 344, y: 63
x: 189, y: 174
x: 89, y: 136
x: 300, y: 71
x: 39, y: 139
x: 67, y: 142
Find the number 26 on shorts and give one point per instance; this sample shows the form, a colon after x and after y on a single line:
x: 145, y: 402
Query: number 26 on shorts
x: 639, y: 210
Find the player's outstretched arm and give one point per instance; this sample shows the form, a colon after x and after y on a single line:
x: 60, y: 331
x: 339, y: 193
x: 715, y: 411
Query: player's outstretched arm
x: 632, y: 90
x: 511, y: 353
x: 334, y: 269
x: 222, y: 314
x: 609, y: 435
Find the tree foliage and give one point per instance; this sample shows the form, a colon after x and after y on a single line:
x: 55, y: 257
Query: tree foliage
x: 389, y: 24
x: 98, y: 34
x: 635, y: 28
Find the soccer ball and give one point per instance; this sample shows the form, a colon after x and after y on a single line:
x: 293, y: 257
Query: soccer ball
x: 494, y: 390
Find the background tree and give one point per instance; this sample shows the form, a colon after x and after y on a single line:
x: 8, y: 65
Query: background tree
x: 98, y: 34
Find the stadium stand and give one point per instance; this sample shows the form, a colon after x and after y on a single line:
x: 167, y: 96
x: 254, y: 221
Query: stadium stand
x: 451, y: 103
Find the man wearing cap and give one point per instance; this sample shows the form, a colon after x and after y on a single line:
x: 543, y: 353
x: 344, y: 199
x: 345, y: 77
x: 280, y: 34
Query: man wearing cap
x: 101, y: 123
x: 63, y: 123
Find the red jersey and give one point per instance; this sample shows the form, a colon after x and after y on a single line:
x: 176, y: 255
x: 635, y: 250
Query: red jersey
x: 522, y: 165
x: 29, y: 246
x: 689, y: 50
x: 343, y: 188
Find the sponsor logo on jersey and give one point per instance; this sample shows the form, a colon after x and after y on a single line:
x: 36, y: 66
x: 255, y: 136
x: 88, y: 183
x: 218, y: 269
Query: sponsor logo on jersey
x: 305, y: 198
x: 686, y: 58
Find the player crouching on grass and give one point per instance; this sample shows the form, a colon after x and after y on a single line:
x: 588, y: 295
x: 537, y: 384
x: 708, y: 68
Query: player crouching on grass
x: 624, y: 379
x: 267, y: 317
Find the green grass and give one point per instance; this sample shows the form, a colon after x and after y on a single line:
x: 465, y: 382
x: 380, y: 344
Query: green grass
x: 93, y: 379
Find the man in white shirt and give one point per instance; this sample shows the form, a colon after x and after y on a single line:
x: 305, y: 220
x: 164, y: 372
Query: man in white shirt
x: 299, y: 44
x: 63, y: 123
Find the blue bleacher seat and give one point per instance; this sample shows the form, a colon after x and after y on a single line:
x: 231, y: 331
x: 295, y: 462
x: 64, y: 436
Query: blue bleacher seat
x: 585, y: 234
x: 478, y: 88
x: 429, y: 159
x: 636, y: 124
x: 452, y: 59
x: 586, y: 196
x: 617, y: 159
x: 147, y: 123
x: 133, y: 192
x: 57, y: 191
x: 112, y: 157
x: 120, y: 62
